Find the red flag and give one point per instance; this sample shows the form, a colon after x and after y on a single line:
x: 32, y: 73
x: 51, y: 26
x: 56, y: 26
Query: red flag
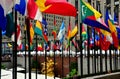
x: 60, y: 7
x: 104, y: 44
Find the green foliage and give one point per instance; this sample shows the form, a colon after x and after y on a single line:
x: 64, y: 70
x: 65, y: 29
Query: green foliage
x: 35, y: 64
x: 3, y: 66
x: 73, y: 72
x: 73, y: 65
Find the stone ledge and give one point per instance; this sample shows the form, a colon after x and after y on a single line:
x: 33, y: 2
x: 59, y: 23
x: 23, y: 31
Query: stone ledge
x: 106, y: 76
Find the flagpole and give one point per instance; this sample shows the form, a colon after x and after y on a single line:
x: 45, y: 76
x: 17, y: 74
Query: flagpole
x: 80, y: 46
x: 36, y: 56
x: 62, y: 59
x: 53, y: 46
x: 69, y: 48
x: 15, y: 47
x: 45, y: 59
x: 88, y: 50
x: 25, y: 51
x: 0, y: 50
x: 94, y: 53
x: 29, y: 55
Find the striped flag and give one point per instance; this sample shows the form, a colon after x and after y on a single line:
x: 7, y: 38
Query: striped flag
x: 19, y: 37
x: 110, y: 23
x: 38, y: 28
x: 45, y: 29
x: 61, y: 32
x: 54, y: 30
x: 28, y: 8
x: 19, y: 40
x: 31, y: 34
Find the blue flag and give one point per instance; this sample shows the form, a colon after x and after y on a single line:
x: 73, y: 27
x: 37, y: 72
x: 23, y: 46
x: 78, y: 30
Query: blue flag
x: 61, y: 33
x: 3, y: 20
x: 21, y: 7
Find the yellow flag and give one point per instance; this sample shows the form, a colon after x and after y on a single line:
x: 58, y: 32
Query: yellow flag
x: 41, y: 5
x: 74, y: 31
x: 31, y: 33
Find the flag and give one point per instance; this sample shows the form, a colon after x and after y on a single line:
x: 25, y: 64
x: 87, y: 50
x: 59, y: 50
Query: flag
x: 60, y: 7
x: 87, y: 11
x: 118, y: 32
x: 33, y: 11
x: 54, y: 29
x: 45, y: 33
x: 3, y: 20
x: 84, y: 33
x: 69, y: 32
x: 5, y: 8
x: 39, y: 47
x: 74, y: 32
x: 20, y: 6
x: 75, y: 44
x: 10, y: 28
x: 41, y: 5
x: 38, y: 28
x: 104, y: 44
x: 31, y: 34
x: 28, y: 8
x: 61, y: 32
x: 19, y: 37
x: 89, y: 16
x: 104, y: 32
x: 69, y: 35
x: 112, y: 28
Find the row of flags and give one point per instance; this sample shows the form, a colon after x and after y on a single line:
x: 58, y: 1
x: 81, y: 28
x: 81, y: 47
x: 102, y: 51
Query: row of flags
x: 33, y: 10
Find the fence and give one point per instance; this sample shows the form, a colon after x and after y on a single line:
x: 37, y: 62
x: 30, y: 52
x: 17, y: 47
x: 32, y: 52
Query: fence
x: 59, y: 63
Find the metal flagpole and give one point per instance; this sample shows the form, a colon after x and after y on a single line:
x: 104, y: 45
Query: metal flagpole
x: 28, y: 36
x: 0, y: 50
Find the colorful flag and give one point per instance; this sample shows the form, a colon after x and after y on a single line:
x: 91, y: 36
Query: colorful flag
x: 45, y: 33
x: 89, y: 16
x: 41, y: 5
x: 61, y: 32
x: 74, y: 32
x: 60, y: 7
x: 69, y: 32
x: 19, y: 37
x: 28, y: 8
x: 38, y: 28
x: 39, y: 47
x: 112, y: 28
x: 104, y: 44
x: 33, y: 11
x: 87, y: 11
x: 84, y: 33
x: 31, y: 34
x: 54, y: 30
